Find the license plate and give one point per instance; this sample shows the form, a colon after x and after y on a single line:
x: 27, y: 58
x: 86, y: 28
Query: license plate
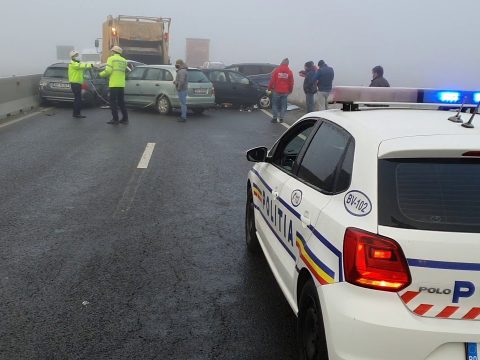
x: 472, y: 350
x: 60, y: 85
x: 200, y: 91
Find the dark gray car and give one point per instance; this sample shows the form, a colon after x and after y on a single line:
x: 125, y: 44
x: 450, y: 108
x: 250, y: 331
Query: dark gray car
x: 54, y: 86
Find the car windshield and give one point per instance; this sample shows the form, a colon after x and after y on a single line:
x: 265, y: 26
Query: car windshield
x: 197, y: 76
x: 56, y: 72
x: 430, y: 194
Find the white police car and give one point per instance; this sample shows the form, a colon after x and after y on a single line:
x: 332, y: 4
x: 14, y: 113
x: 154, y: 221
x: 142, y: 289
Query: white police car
x: 370, y: 222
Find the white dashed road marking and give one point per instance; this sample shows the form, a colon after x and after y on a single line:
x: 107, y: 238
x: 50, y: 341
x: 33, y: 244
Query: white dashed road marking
x: 147, y: 154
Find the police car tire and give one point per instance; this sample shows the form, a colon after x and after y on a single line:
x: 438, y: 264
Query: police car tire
x: 250, y: 230
x: 312, y: 343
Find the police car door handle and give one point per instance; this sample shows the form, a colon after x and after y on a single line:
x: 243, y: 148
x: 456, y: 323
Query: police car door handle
x: 275, y: 194
x: 305, y: 220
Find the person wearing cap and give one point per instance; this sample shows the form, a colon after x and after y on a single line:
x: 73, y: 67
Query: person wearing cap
x: 309, y: 85
x: 324, y: 78
x: 116, y: 71
x: 75, y: 77
x: 281, y: 85
x: 378, y: 79
x: 181, y: 84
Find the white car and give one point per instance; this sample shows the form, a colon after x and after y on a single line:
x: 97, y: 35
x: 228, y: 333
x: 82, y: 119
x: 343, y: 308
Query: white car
x: 370, y: 222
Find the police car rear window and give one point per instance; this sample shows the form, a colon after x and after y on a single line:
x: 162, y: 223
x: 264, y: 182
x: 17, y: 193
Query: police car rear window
x: 430, y: 194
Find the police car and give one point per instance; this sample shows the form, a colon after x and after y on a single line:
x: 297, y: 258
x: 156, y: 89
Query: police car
x: 369, y: 219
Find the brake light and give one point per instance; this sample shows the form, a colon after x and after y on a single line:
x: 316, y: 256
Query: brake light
x: 374, y: 261
x: 85, y: 86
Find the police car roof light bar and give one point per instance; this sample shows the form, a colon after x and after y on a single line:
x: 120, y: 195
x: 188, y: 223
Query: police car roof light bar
x: 352, y: 96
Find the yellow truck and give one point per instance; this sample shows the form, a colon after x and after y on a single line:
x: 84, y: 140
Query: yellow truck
x: 143, y: 39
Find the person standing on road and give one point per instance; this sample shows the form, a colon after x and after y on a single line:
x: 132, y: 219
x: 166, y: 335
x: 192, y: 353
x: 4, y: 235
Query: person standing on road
x: 309, y: 85
x: 282, y: 85
x: 181, y: 84
x: 378, y: 79
x: 75, y: 77
x: 324, y: 78
x: 116, y: 71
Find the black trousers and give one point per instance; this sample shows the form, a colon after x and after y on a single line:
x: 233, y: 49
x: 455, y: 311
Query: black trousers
x: 77, y: 98
x: 117, y: 100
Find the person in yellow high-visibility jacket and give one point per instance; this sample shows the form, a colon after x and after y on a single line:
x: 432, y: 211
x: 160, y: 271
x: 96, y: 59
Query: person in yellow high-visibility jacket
x: 75, y: 77
x: 116, y: 71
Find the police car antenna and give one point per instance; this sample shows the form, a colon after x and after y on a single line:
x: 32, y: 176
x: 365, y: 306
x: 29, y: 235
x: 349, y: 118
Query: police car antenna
x: 469, y: 124
x: 457, y: 118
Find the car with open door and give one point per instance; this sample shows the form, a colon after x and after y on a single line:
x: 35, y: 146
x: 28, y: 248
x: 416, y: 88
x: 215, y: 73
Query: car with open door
x: 231, y: 87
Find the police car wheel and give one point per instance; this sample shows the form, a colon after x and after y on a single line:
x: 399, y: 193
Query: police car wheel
x: 250, y: 230
x: 163, y: 105
x: 312, y: 342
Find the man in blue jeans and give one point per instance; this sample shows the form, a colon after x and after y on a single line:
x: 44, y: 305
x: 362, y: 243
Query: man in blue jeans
x: 181, y: 84
x: 282, y: 86
x: 309, y: 85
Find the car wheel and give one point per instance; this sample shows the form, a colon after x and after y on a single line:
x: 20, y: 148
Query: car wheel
x: 198, y: 111
x: 250, y: 229
x: 312, y: 343
x: 265, y: 102
x: 163, y: 105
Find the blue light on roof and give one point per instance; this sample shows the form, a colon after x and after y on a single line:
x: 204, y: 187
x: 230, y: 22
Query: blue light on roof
x: 449, y: 96
x: 476, y: 97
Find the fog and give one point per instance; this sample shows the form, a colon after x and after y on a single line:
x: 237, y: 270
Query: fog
x: 428, y: 43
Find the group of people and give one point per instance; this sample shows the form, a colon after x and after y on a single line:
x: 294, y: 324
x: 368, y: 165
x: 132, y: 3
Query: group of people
x: 116, y: 70
x: 318, y: 83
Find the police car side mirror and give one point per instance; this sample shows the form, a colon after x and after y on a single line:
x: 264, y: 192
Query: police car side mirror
x: 258, y: 154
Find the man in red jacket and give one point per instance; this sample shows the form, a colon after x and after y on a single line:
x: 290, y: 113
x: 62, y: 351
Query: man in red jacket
x: 282, y: 86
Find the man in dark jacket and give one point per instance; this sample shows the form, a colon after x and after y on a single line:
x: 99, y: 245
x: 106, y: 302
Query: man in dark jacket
x: 378, y: 79
x: 324, y: 77
x: 181, y: 84
x: 309, y: 85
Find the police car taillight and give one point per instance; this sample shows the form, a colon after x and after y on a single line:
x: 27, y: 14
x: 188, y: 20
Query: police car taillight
x: 374, y: 261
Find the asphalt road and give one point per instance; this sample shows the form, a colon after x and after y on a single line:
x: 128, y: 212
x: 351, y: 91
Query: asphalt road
x: 101, y: 260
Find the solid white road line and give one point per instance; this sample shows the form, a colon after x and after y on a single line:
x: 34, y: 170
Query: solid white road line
x: 24, y: 117
x: 271, y: 116
x: 147, y: 154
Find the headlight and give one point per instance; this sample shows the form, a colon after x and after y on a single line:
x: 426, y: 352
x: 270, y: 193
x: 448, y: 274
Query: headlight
x: 43, y: 83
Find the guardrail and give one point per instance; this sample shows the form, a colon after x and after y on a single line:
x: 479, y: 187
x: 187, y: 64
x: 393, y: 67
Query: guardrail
x: 18, y: 94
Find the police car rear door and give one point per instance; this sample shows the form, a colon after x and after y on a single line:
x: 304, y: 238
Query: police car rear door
x: 429, y: 202
x: 320, y: 174
x: 271, y: 176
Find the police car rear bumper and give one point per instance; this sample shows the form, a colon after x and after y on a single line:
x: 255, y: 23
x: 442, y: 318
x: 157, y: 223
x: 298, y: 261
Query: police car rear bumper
x: 375, y: 325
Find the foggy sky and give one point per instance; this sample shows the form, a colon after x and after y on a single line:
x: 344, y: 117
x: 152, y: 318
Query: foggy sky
x: 420, y: 43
